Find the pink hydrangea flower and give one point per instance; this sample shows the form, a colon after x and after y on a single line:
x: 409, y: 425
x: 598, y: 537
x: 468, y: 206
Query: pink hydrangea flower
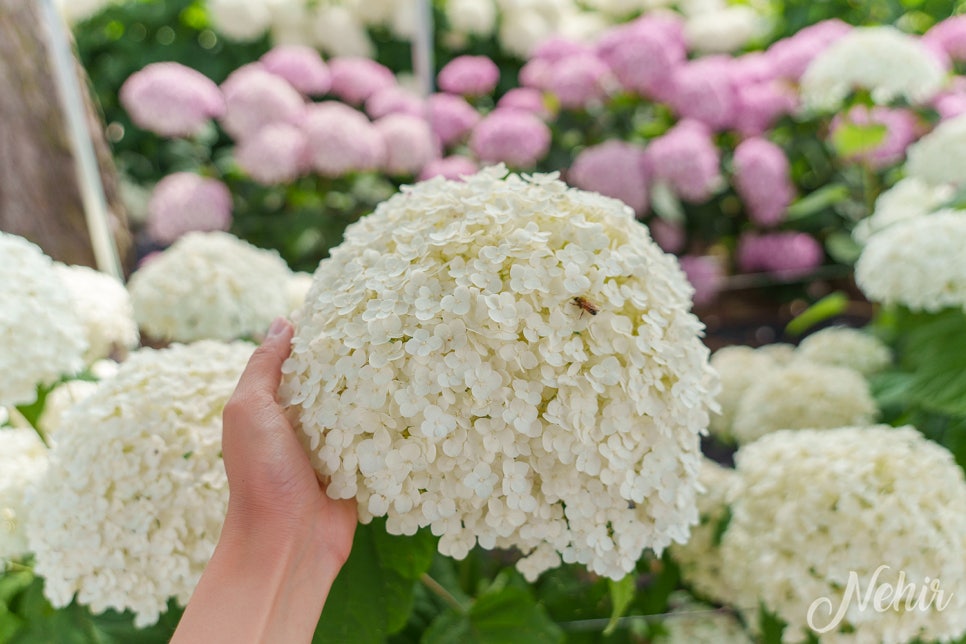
x: 686, y: 158
x: 762, y: 178
x: 410, y: 143
x: 792, y: 55
x: 579, y: 80
x: 644, y: 53
x: 670, y: 237
x: 356, y: 79
x: 951, y: 103
x: 536, y: 73
x: 301, y: 66
x: 395, y: 100
x: 788, y: 255
x: 751, y: 68
x: 614, y: 169
x: 703, y: 90
x: 469, y: 76
x: 342, y: 140
x: 526, y: 99
x: 256, y: 98
x: 278, y: 153
x: 451, y: 117
x: 760, y: 105
x: 171, y: 100
x: 556, y: 48
x: 514, y: 137
x: 706, y: 275
x: 453, y: 168
x: 184, y: 202
x: 949, y: 36
x: 902, y: 129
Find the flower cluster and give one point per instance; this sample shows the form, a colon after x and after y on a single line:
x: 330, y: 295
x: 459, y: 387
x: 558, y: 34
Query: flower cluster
x: 209, y: 286
x: 810, y: 508
x: 511, y: 362
x: 23, y: 461
x: 45, y: 339
x: 844, y: 347
x: 103, y: 306
x: 134, y: 498
x: 171, y: 99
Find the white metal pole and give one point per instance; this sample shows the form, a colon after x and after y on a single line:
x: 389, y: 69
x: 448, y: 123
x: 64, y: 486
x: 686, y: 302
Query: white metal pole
x: 423, y: 46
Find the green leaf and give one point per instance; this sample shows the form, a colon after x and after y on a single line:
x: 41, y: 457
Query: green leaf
x: 842, y: 247
x: 44, y: 623
x: 933, y: 353
x: 817, y: 201
x: 854, y: 139
x: 829, y: 306
x: 373, y: 595
x: 621, y: 595
x: 666, y: 204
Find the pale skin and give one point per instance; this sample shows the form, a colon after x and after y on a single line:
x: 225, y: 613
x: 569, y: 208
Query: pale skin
x: 283, y: 541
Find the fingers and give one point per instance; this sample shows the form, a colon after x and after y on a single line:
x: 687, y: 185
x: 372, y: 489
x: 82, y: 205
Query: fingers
x: 259, y: 382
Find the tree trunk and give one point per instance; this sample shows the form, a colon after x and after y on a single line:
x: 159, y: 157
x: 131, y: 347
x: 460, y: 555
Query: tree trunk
x: 39, y: 194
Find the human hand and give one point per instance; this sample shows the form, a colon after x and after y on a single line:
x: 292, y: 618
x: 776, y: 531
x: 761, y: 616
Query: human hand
x: 283, y: 541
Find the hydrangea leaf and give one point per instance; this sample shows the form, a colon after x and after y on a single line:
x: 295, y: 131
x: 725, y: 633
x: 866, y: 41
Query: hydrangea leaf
x: 934, y: 355
x: 827, y: 307
x: 818, y: 201
x: 853, y: 139
x: 621, y: 595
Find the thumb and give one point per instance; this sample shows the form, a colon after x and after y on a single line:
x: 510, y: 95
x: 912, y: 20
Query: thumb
x: 260, y: 380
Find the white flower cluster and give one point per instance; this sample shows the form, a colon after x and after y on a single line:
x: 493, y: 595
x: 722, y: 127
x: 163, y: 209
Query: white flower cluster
x: 715, y: 27
x: 882, y: 60
x: 104, y: 307
x: 210, y: 285
x: 511, y: 362
x: 23, y: 461
x: 844, y: 347
x: 697, y: 623
x: 58, y: 401
x: 911, y: 197
x: 700, y: 559
x: 811, y: 507
x: 940, y: 157
x: 918, y: 263
x: 42, y: 336
x: 132, y: 504
x: 738, y: 368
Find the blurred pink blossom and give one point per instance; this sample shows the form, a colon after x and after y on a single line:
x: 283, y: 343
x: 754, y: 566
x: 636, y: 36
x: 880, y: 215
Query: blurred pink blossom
x: 762, y: 178
x: 760, y: 105
x: 527, y: 99
x: 171, y: 100
x: 256, y: 98
x: 706, y: 275
x: 703, y: 90
x: 787, y: 255
x: 356, y: 79
x: 536, y: 73
x: 453, y: 167
x: 556, y: 48
x: 644, y: 53
x: 902, y: 129
x: 686, y: 158
x: 614, y: 169
x: 792, y: 55
x: 185, y: 202
x: 301, y: 66
x: 949, y: 36
x: 342, y: 140
x: 410, y: 143
x: 451, y: 117
x: 469, y: 76
x: 514, y: 137
x: 670, y: 237
x: 579, y: 80
x: 395, y: 100
x: 278, y: 153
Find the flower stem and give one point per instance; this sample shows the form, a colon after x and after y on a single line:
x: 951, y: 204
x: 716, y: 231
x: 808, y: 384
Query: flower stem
x: 441, y: 592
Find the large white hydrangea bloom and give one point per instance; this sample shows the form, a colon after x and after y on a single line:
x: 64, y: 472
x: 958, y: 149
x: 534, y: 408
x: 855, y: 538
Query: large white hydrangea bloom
x: 104, y: 307
x: 940, y: 156
x: 918, y: 263
x: 844, y: 347
x: 811, y: 507
x: 738, y: 367
x: 210, y: 285
x: 58, y: 401
x: 803, y: 395
x: 23, y: 461
x: 132, y: 504
x: 911, y: 197
x: 882, y: 60
x: 511, y: 362
x: 42, y: 338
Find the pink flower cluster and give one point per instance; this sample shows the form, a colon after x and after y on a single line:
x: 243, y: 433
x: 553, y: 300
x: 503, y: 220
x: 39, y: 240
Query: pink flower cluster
x: 787, y: 255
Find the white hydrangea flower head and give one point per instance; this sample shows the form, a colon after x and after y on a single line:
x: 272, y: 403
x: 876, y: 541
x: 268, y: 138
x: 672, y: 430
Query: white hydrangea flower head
x: 803, y: 395
x: 23, y: 461
x: 883, y: 60
x: 297, y: 288
x: 910, y: 197
x: 210, y: 285
x: 43, y: 337
x: 844, y: 347
x: 697, y: 623
x: 103, y: 305
x: 471, y: 17
x: 738, y: 368
x: 510, y: 362
x: 812, y: 506
x: 339, y: 32
x: 700, y: 559
x: 132, y: 505
x: 918, y: 263
x: 781, y: 352
x: 725, y: 30
x: 59, y: 400
x: 242, y: 20
x: 940, y: 156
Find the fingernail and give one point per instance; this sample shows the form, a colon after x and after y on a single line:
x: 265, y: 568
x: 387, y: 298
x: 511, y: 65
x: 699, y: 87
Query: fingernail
x: 278, y: 326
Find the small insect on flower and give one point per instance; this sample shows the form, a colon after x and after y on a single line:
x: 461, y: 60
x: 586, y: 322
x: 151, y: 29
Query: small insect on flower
x: 586, y: 305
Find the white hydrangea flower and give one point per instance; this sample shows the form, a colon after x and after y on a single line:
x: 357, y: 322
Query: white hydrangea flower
x: 723, y: 31
x: 883, y: 60
x: 80, y: 10
x: 104, y: 307
x: 803, y: 395
x: 844, y: 347
x: 210, y: 285
x: 43, y: 339
x: 59, y: 400
x: 811, y: 506
x: 471, y: 17
x: 132, y: 505
x: 23, y: 461
x: 738, y: 368
x: 910, y: 197
x: 240, y: 19
x: 781, y: 352
x: 338, y: 32
x: 697, y: 623
x: 446, y: 372
x: 621, y: 9
x: 297, y: 288
x: 700, y: 559
x: 918, y: 263
x: 940, y: 156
